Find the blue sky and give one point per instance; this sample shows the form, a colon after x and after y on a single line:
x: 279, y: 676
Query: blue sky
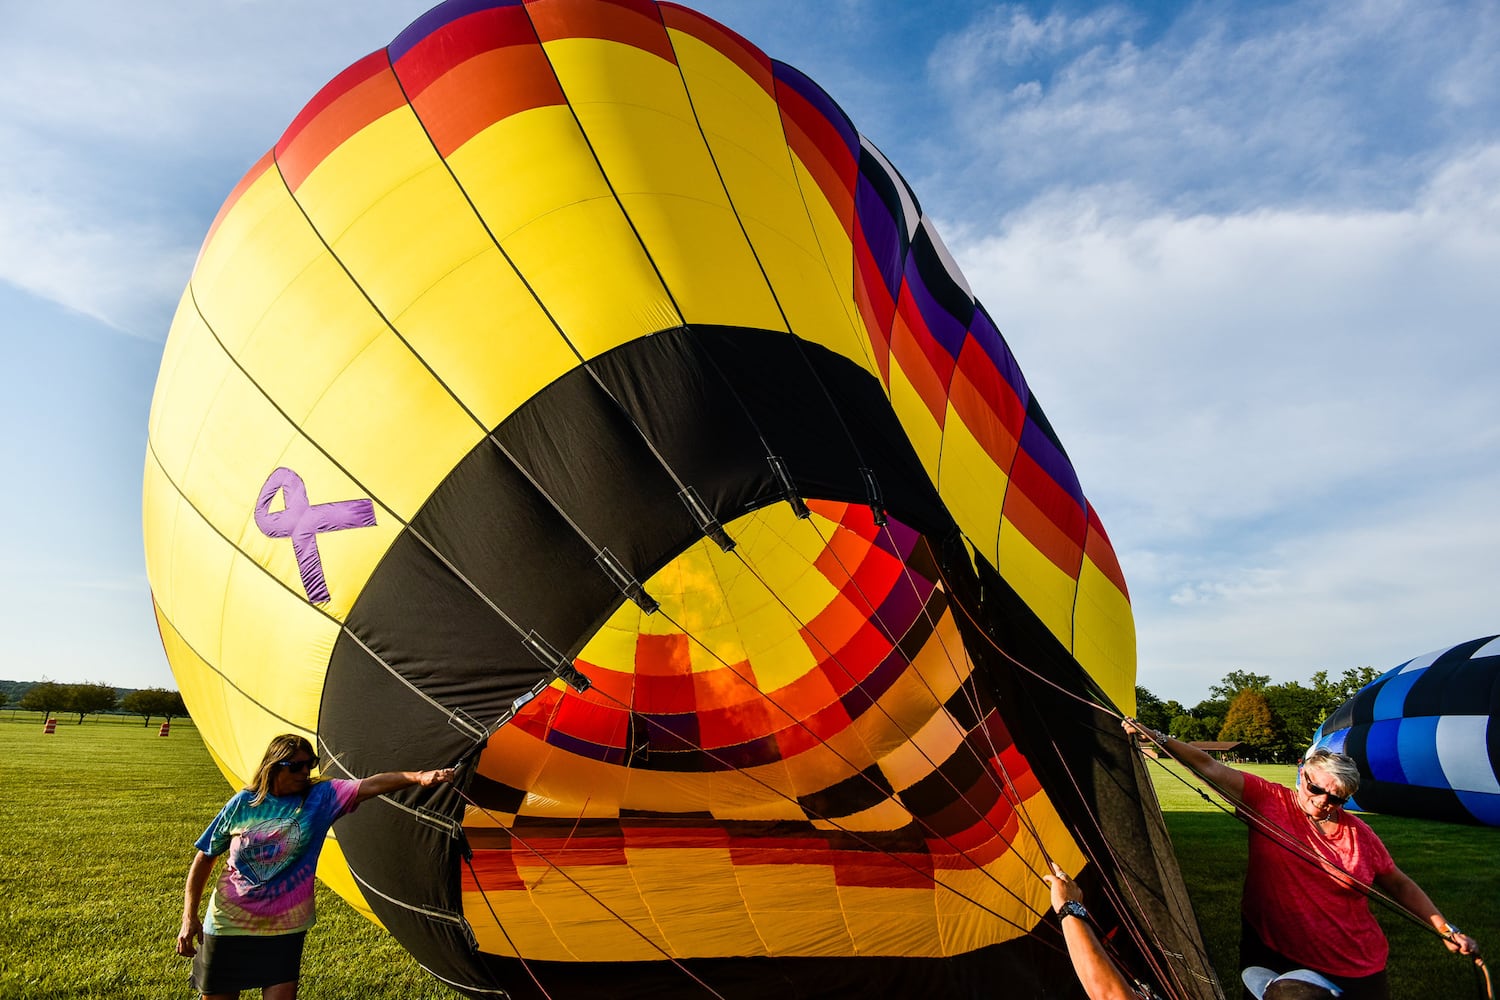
x: 1247, y: 255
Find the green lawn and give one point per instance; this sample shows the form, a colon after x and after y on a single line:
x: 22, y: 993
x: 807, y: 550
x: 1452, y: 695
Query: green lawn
x: 97, y: 822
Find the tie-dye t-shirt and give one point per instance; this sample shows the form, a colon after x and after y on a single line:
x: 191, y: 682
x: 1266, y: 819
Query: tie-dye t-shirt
x: 266, y: 886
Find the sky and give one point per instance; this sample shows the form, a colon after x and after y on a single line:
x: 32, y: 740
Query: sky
x: 1247, y: 254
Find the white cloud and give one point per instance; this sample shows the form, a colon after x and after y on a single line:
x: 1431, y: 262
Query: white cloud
x: 1316, y: 103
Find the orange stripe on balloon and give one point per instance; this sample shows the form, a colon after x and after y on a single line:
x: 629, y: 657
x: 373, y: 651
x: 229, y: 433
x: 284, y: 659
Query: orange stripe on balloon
x: 755, y: 63
x: 632, y: 22
x: 1102, y: 554
x: 356, y: 97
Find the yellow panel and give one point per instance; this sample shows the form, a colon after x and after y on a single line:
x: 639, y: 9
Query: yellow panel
x: 743, y: 128
x: 770, y: 892
x: 972, y: 486
x: 486, y: 337
x: 264, y: 623
x: 535, y: 181
x: 574, y: 901
x: 392, y: 426
x: 261, y: 246
x: 655, y: 160
x: 183, y: 396
x: 589, y: 245
x: 942, y: 663
x: 366, y: 168
x: 1047, y: 590
x: 922, y: 431
x: 712, y: 916
x: 835, y: 247
x: 891, y: 921
x: 935, y: 741
x: 1105, y: 629
x: 234, y: 728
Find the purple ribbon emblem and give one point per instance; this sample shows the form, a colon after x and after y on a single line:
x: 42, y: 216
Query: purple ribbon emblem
x: 303, y: 523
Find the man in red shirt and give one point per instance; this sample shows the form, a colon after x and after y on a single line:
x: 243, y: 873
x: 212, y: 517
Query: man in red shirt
x: 1300, y: 908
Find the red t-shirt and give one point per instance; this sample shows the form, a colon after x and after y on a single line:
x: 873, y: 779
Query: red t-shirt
x: 1305, y: 910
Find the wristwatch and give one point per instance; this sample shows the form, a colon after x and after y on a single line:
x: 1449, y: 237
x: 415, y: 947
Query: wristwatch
x: 1072, y: 909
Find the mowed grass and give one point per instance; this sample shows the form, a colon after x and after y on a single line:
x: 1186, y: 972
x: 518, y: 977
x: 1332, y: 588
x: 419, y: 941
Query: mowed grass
x: 97, y: 823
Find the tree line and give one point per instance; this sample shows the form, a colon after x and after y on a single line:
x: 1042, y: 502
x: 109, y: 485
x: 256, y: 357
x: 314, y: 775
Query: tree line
x: 51, y: 698
x: 1273, y: 722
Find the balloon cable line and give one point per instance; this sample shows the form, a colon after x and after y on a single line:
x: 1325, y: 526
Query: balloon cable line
x: 525, y: 965
x: 1109, y: 888
x: 1020, y: 804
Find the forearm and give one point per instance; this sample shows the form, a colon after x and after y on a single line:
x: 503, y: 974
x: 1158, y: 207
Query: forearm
x: 1411, y: 896
x: 1226, y: 779
x: 197, y: 880
x: 1100, y: 979
x: 394, y: 781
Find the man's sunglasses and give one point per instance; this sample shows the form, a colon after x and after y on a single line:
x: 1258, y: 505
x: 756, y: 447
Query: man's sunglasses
x: 1313, y: 791
x: 296, y: 766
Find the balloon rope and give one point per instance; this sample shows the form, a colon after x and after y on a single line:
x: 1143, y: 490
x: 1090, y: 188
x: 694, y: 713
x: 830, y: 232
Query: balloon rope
x: 1009, y: 785
x: 508, y: 940
x: 1109, y: 888
x: 511, y: 832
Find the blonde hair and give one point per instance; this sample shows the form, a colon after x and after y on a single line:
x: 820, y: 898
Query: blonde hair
x: 1341, y: 766
x: 284, y: 747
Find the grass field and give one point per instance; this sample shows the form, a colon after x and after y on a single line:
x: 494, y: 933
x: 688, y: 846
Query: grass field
x: 97, y: 822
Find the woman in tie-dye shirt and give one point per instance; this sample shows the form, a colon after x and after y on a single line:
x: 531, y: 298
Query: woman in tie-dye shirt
x: 262, y: 903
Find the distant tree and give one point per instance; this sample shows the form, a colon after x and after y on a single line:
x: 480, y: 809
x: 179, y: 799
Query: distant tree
x: 1333, y: 693
x: 1236, y: 681
x: 1296, y: 713
x: 149, y: 702
x: 86, y: 699
x: 4, y: 698
x: 1248, y: 721
x: 1150, y: 711
x: 1188, y: 728
x: 174, y: 706
x: 45, y: 697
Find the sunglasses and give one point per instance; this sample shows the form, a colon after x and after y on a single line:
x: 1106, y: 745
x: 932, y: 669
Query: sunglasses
x: 1313, y: 791
x: 296, y: 766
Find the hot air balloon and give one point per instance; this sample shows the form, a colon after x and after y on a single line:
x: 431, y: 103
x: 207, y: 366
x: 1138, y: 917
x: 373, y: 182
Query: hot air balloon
x: 573, y: 393
x: 1425, y: 737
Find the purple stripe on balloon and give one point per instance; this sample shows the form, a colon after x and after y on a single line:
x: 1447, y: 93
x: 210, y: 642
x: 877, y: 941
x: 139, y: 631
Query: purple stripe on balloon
x: 987, y: 336
x: 946, y: 328
x: 436, y: 18
x: 303, y: 522
x: 882, y: 237
x: 815, y: 95
x: 1038, y: 444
